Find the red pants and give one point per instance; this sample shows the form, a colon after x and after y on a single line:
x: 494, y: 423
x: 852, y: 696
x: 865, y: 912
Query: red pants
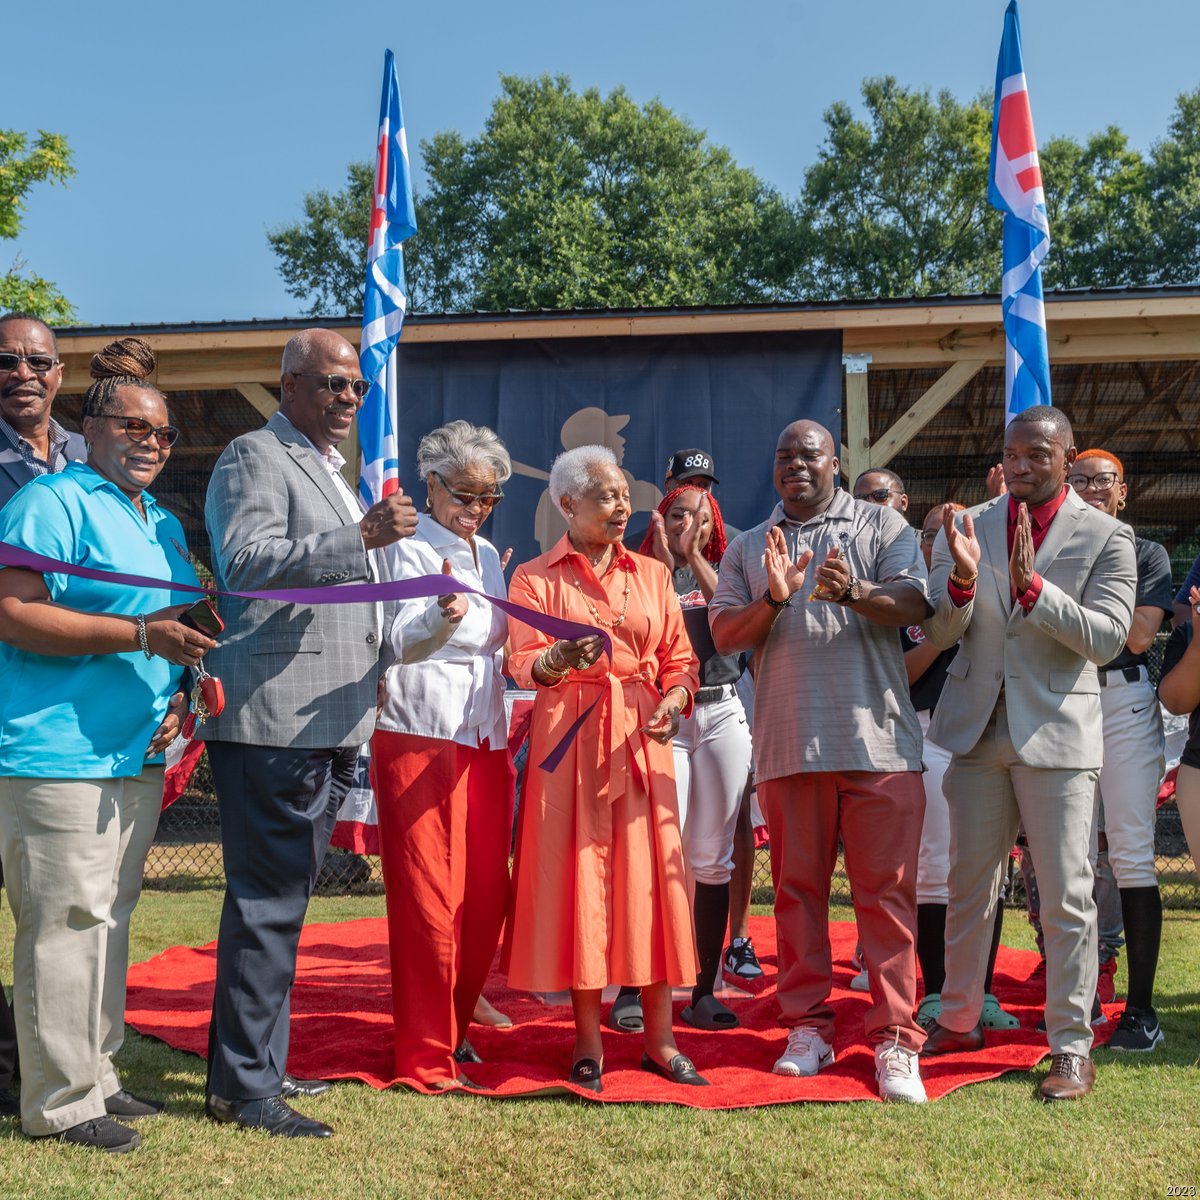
x: 879, y: 817
x: 445, y: 820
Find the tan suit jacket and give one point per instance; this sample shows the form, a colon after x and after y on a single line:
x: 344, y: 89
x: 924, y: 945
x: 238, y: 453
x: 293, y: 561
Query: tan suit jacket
x: 1046, y: 661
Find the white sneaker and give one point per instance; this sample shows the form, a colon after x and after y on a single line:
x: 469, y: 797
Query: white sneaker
x: 807, y: 1052
x: 897, y: 1073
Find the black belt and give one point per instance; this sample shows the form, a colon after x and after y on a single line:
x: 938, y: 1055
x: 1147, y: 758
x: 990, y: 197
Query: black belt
x: 1131, y: 675
x: 710, y: 695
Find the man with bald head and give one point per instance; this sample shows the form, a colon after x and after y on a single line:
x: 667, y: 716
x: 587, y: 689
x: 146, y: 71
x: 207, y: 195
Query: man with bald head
x: 1039, y: 589
x: 300, y: 685
x: 816, y: 593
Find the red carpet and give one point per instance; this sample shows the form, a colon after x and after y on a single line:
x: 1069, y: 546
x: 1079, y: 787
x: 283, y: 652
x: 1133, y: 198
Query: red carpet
x: 341, y: 1027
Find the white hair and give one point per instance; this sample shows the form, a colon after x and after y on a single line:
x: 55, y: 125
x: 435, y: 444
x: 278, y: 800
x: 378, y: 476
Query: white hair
x: 572, y: 471
x: 459, y: 446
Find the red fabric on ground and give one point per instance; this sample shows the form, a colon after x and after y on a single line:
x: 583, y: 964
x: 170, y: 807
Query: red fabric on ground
x: 341, y: 1027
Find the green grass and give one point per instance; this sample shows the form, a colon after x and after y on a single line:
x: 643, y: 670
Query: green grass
x: 1138, y: 1133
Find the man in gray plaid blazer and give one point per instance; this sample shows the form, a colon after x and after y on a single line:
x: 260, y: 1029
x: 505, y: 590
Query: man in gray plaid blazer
x: 300, y: 686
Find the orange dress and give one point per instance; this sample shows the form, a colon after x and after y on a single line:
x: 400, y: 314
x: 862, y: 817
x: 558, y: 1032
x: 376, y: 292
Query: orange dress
x: 599, y: 894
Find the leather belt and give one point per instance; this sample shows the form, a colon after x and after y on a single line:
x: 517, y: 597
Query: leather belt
x: 1123, y: 674
x: 710, y: 695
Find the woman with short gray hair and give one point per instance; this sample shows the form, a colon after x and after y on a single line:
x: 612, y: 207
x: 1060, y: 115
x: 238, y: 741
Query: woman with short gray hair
x: 599, y: 893
x: 444, y: 775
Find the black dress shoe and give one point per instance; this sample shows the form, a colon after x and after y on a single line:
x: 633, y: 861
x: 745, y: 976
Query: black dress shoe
x: 10, y: 1106
x: 272, y: 1114
x: 586, y: 1074
x: 291, y: 1086
x: 103, y: 1133
x: 127, y: 1106
x: 466, y: 1053
x: 680, y: 1069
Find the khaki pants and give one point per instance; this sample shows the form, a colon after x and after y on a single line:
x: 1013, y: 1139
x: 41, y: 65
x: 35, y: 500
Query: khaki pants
x: 73, y: 852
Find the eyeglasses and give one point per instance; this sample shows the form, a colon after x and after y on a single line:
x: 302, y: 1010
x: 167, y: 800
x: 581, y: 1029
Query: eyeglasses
x: 928, y: 537
x: 879, y: 495
x: 1103, y: 482
x: 488, y: 500
x: 337, y: 384
x: 139, y: 430
x: 39, y: 364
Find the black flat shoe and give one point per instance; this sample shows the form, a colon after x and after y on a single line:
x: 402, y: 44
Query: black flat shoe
x: 127, y: 1106
x: 272, y: 1114
x: 466, y: 1053
x: 291, y: 1086
x: 681, y: 1069
x: 586, y: 1074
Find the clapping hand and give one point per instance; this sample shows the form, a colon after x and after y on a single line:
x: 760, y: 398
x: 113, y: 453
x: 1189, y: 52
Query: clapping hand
x: 833, y: 577
x: 963, y: 545
x: 453, y: 605
x: 994, y: 485
x: 658, y: 542
x: 1020, y: 562
x: 694, y: 533
x: 784, y: 577
x: 1194, y: 601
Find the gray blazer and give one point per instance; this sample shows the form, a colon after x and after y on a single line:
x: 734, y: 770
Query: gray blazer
x: 296, y: 676
x: 1047, y: 660
x: 15, y: 474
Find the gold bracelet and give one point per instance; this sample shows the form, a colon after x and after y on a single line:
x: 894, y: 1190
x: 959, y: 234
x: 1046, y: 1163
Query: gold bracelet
x: 965, y: 584
x: 549, y: 670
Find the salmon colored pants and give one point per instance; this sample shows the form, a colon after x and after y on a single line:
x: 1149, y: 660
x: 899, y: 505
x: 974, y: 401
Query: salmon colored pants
x: 445, y: 820
x: 879, y: 818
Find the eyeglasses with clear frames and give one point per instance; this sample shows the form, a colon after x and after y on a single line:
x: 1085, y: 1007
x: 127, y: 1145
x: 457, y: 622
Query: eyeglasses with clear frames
x: 487, y: 500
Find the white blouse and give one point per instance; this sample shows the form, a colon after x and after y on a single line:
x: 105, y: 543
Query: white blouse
x: 447, y: 681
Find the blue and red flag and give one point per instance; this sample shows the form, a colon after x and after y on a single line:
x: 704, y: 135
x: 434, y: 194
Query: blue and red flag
x: 385, y: 300
x: 1015, y: 188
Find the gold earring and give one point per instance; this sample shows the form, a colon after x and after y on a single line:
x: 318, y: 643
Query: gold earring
x: 1120, y: 505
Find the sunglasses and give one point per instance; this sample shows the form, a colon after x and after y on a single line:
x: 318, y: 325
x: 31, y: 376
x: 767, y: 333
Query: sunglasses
x: 39, y: 364
x: 488, y: 500
x: 878, y: 496
x: 1101, y: 483
x: 138, y: 430
x: 337, y: 384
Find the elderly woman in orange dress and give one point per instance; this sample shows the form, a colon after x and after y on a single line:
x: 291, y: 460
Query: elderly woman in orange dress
x: 599, y: 890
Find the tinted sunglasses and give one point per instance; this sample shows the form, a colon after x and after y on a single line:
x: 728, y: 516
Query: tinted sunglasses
x: 139, y: 430
x: 487, y: 499
x: 337, y: 384
x: 879, y: 495
x: 39, y: 364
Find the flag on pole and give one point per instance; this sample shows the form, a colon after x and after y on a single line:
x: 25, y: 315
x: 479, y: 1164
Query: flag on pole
x: 385, y: 299
x: 1015, y: 188
x: 385, y: 303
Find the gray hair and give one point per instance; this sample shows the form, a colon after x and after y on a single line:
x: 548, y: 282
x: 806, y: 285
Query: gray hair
x: 459, y: 446
x: 572, y: 471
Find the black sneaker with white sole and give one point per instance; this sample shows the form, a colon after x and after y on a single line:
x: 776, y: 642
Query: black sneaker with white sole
x: 101, y: 1134
x: 740, y: 961
x: 1138, y: 1031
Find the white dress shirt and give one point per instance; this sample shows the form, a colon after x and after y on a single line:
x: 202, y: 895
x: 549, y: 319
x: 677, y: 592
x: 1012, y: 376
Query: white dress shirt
x: 448, y: 679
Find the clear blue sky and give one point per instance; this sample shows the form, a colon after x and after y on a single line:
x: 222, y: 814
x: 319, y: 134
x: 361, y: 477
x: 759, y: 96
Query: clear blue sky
x: 198, y: 127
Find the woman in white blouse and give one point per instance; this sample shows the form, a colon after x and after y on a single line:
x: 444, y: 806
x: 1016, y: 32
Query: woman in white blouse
x: 444, y: 776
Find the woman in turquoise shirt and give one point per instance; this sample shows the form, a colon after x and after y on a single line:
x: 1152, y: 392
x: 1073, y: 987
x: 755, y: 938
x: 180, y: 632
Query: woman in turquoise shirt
x: 89, y: 673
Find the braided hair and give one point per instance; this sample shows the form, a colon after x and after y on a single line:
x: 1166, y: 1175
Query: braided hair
x: 715, y: 550
x: 127, y: 362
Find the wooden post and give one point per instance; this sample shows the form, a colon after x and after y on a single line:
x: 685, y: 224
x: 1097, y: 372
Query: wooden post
x: 858, y: 417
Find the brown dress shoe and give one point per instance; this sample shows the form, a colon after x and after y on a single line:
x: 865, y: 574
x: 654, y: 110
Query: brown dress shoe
x: 948, y: 1041
x: 1070, y: 1078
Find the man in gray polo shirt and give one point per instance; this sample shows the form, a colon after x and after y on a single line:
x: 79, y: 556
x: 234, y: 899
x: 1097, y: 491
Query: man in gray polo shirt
x: 816, y: 592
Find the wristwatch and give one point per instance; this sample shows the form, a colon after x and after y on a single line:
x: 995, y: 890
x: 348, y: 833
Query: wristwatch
x: 853, y: 592
x: 776, y: 604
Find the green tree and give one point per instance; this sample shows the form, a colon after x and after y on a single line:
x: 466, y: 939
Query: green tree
x: 564, y: 200
x: 1099, y: 209
x: 896, y: 202
x: 23, y: 165
x: 1174, y: 188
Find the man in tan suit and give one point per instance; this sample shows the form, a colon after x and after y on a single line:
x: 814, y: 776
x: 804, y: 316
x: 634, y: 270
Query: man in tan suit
x: 1039, y: 587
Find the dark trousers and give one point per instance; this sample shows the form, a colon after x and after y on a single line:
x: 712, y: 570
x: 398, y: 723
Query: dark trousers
x: 8, y: 1031
x: 278, y: 808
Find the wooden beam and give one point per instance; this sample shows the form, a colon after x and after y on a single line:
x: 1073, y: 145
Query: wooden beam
x: 259, y: 399
x: 922, y: 411
x: 858, y: 417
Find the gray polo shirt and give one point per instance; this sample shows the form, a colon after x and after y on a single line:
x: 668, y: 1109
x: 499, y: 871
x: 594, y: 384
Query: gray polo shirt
x: 831, y: 693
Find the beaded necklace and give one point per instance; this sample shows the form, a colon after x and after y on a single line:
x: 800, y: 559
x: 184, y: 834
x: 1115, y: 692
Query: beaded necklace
x: 592, y: 608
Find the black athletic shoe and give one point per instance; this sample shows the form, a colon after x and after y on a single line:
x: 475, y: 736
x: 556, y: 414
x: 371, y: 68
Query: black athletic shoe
x: 740, y: 961
x: 101, y: 1134
x: 127, y: 1106
x: 1138, y: 1032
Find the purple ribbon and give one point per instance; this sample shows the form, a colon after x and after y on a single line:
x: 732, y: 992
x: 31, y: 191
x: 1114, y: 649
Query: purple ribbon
x: 422, y: 586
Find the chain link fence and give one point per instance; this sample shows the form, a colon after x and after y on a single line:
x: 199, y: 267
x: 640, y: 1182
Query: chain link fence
x: 1146, y: 412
